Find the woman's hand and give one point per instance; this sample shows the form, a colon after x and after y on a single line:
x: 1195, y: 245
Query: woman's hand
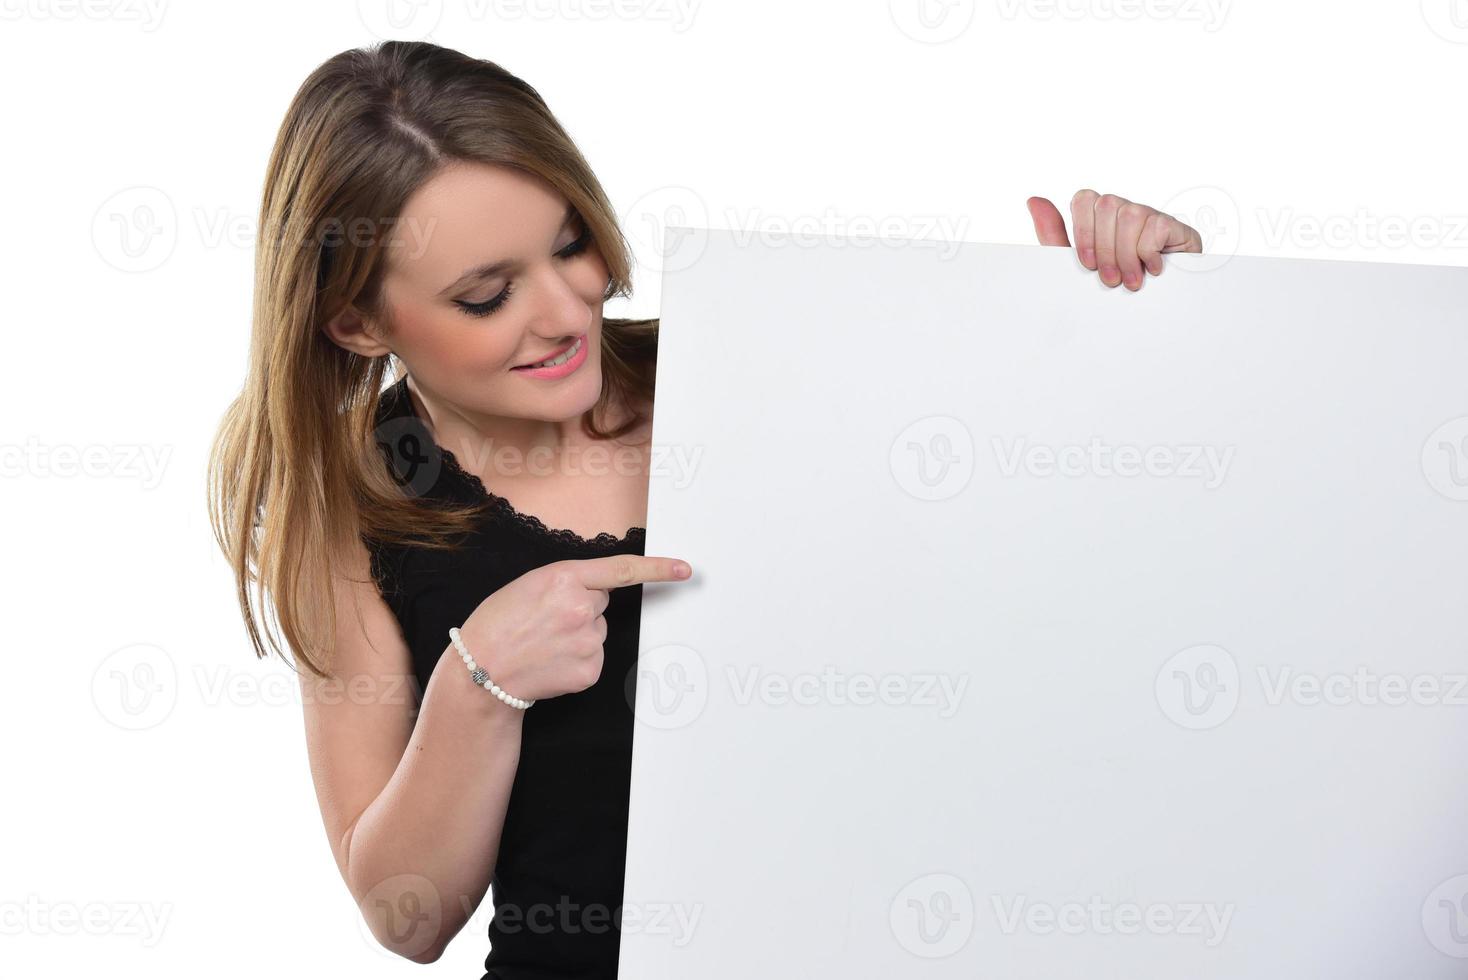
x: 1118, y: 238
x: 541, y: 635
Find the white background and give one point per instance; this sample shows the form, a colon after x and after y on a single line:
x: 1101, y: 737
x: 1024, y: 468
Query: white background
x: 1317, y: 129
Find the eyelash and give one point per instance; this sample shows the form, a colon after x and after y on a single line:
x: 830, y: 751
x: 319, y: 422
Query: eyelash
x: 491, y: 305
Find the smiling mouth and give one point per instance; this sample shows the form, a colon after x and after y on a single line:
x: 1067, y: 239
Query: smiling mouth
x: 561, y: 358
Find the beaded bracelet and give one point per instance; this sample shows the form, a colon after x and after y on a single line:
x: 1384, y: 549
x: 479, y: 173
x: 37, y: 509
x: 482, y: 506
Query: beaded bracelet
x: 481, y: 677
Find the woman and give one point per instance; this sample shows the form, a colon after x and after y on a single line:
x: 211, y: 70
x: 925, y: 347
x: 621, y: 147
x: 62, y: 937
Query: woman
x: 426, y: 219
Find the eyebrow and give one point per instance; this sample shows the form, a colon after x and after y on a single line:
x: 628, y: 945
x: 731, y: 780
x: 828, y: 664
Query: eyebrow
x: 488, y: 269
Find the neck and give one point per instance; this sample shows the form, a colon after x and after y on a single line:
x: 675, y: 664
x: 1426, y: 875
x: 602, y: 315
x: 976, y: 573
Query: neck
x: 496, y: 447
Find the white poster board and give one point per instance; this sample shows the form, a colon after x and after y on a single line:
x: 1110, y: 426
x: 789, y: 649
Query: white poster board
x: 1048, y: 631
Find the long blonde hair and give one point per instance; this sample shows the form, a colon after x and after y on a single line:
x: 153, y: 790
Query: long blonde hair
x: 295, y: 470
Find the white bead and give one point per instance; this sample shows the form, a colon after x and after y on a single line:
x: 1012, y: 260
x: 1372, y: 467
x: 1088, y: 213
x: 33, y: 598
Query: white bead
x: 489, y: 685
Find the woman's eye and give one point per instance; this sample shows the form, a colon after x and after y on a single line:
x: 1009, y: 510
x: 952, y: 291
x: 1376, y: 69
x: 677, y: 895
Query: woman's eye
x: 488, y: 306
x: 579, y: 245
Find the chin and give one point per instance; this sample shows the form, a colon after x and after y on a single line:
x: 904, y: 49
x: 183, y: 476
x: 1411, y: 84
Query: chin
x: 577, y: 399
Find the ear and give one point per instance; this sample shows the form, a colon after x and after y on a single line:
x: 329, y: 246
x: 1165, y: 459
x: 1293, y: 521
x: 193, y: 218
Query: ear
x: 348, y: 329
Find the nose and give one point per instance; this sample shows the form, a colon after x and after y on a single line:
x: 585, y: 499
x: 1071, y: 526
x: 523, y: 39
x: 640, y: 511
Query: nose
x: 560, y: 311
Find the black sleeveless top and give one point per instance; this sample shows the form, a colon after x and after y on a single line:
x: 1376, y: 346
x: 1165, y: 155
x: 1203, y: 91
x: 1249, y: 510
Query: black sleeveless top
x: 557, y: 884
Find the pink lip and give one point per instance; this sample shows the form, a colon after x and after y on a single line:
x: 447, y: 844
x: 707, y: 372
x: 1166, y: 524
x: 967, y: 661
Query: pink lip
x: 560, y: 370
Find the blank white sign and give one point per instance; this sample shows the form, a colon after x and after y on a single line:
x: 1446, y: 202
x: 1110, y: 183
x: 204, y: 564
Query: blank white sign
x: 1048, y: 631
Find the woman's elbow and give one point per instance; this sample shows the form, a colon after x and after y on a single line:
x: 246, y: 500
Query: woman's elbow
x: 416, y: 949
x: 403, y: 920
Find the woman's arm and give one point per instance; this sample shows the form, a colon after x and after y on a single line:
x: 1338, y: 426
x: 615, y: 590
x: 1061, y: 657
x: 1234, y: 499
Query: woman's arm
x: 413, y: 812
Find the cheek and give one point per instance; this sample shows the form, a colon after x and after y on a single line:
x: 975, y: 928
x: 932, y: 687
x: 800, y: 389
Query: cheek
x: 447, y: 343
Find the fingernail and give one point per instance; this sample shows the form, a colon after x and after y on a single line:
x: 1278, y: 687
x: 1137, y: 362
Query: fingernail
x: 1107, y: 275
x: 681, y: 569
x: 1088, y: 257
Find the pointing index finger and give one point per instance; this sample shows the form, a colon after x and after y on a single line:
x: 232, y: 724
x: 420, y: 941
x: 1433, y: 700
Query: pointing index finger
x: 617, y: 571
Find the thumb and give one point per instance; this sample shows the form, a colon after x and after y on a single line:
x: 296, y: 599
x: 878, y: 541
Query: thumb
x: 1049, y: 225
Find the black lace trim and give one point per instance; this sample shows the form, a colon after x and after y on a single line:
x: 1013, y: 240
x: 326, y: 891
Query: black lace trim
x: 506, y: 512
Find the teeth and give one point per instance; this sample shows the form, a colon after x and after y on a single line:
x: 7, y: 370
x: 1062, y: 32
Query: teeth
x: 570, y: 353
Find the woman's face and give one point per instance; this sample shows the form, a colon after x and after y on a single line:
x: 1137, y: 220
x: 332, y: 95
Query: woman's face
x: 489, y: 272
